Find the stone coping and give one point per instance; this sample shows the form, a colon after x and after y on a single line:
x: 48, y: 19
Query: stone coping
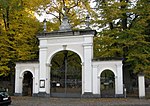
x: 107, y: 58
x: 27, y: 61
x: 67, y: 33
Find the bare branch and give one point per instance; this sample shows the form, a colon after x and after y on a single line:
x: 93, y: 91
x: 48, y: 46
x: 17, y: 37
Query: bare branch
x: 53, y: 15
x: 136, y: 16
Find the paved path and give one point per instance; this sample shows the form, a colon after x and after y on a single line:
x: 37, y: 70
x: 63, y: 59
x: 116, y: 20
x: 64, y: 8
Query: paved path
x: 39, y: 101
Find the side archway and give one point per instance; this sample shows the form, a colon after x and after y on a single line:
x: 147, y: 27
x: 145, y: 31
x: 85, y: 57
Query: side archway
x: 107, y: 83
x: 26, y: 70
x: 27, y: 83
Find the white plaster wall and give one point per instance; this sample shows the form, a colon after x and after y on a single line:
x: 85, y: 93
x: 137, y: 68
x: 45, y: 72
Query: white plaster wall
x: 95, y: 78
x: 119, y: 79
x: 56, y: 44
x: 88, y: 56
x: 42, y: 63
x: 91, y: 70
x: 82, y: 45
x: 20, y: 69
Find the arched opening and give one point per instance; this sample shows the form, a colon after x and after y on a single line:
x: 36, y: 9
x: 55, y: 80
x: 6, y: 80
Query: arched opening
x: 27, y: 83
x: 65, y: 76
x: 107, y: 84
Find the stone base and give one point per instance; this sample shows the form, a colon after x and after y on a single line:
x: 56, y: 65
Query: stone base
x: 35, y: 95
x: 17, y: 94
x: 141, y: 97
x: 119, y: 95
x: 42, y: 94
x: 90, y: 95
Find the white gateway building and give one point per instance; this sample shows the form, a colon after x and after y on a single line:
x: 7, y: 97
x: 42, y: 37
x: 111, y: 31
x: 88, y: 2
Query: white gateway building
x: 66, y: 68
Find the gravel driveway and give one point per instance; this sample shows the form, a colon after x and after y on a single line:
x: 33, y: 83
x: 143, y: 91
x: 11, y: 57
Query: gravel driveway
x: 39, y: 101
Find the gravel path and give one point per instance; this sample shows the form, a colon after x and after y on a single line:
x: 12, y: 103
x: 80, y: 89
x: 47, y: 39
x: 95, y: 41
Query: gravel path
x: 39, y: 101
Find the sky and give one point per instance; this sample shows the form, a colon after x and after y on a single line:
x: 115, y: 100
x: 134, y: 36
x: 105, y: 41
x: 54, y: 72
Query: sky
x: 48, y: 16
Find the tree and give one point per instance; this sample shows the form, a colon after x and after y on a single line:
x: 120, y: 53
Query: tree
x: 19, y: 26
x: 4, y: 56
x: 18, y: 34
x: 76, y: 11
x: 124, y: 33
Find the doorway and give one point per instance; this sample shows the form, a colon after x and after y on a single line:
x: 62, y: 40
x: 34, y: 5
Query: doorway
x: 107, y: 83
x: 66, y: 72
x: 27, y: 84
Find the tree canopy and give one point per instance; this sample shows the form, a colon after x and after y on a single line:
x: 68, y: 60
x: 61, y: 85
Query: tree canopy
x: 75, y: 10
x: 123, y: 29
x: 124, y: 32
x: 18, y: 28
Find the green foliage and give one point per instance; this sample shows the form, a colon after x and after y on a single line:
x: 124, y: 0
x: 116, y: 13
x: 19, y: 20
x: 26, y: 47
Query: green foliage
x: 124, y: 33
x: 4, y: 54
x: 18, y: 29
x: 124, y: 29
x: 75, y: 11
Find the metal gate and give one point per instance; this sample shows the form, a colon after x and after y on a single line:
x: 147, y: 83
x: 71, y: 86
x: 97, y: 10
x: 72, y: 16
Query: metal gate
x: 107, y: 84
x: 27, y: 84
x: 66, y: 76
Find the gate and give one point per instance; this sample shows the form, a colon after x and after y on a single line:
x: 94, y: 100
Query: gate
x: 107, y: 84
x: 66, y: 75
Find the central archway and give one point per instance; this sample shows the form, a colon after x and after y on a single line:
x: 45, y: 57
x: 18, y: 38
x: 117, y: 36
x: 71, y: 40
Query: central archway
x: 66, y: 74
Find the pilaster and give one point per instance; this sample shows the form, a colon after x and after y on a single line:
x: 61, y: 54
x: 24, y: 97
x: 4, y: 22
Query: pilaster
x: 43, y: 69
x: 87, y: 68
x: 95, y: 79
x: 119, y: 80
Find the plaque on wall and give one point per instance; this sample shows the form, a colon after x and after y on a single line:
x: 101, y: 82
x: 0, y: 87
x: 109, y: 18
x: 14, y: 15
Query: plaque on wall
x: 42, y: 83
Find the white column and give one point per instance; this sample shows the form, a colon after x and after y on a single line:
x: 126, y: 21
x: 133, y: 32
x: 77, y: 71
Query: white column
x: 83, y: 87
x: 119, y: 80
x: 99, y: 84
x: 20, y: 85
x: 36, y: 89
x: 50, y: 65
x: 88, y: 67
x: 33, y: 85
x: 141, y: 83
x: 47, y: 85
x: 17, y: 81
x: 43, y: 69
x: 95, y: 80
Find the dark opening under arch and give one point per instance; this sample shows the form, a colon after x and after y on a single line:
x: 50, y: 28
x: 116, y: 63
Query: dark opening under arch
x: 107, y: 84
x: 27, y: 84
x: 66, y: 75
